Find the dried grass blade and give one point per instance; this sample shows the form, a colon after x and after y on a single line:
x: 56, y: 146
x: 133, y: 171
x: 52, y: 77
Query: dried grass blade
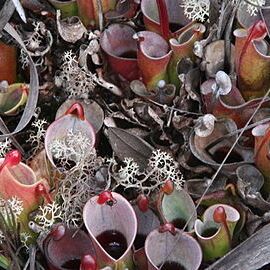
x: 34, y: 86
x: 19, y: 9
x: 6, y: 13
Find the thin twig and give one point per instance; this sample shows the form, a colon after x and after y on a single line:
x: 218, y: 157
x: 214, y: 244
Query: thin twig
x: 26, y: 264
x: 227, y: 42
x: 32, y: 256
x: 170, y: 118
x: 264, y: 121
x: 220, y: 26
x: 100, y: 15
x: 40, y: 266
x: 174, y: 109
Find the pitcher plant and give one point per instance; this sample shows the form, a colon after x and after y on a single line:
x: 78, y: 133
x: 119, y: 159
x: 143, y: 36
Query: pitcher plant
x: 172, y: 22
x: 112, y: 225
x: 68, y: 248
x: 215, y: 232
x: 170, y: 247
x: 120, y: 50
x: 19, y: 181
x: 88, y: 10
x: 252, y: 60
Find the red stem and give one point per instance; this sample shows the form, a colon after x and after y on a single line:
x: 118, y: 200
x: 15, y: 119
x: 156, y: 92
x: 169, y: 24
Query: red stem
x: 163, y: 19
x: 227, y: 232
x: 41, y: 190
x: 220, y: 216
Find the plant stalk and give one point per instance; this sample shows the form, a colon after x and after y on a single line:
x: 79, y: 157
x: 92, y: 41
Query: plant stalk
x: 163, y: 19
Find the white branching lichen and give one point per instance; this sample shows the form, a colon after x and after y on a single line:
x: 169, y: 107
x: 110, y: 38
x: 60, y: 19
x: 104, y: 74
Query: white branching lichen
x: 71, y: 149
x: 252, y: 10
x: 24, y: 59
x: 15, y: 205
x: 2, y: 237
x: 77, y: 184
x: 33, y: 43
x: 35, y: 39
x: 25, y: 237
x: 5, y: 146
x: 37, y: 136
x: 48, y: 215
x: 198, y: 10
x: 75, y: 80
x: 76, y: 189
x: 128, y: 172
x: 161, y: 167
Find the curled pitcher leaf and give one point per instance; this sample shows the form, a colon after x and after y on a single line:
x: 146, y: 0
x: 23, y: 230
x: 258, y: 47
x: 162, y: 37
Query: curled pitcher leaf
x: 147, y: 221
x: 8, y: 63
x: 68, y: 8
x: 73, y: 123
x: 163, y: 93
x: 208, y: 144
x: 70, y: 29
x: 182, y: 46
x: 88, y: 10
x: 249, y: 183
x: 177, y: 208
x: 175, y: 249
x: 228, y: 196
x: 112, y: 225
x: 228, y: 104
x: 261, y: 151
x: 176, y: 18
x: 18, y: 181
x: 153, y: 58
x: 93, y: 112
x: 120, y: 50
x: 44, y: 41
x: 216, y: 230
x: 13, y: 98
x: 65, y: 248
x: 252, y: 61
x: 213, y: 62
